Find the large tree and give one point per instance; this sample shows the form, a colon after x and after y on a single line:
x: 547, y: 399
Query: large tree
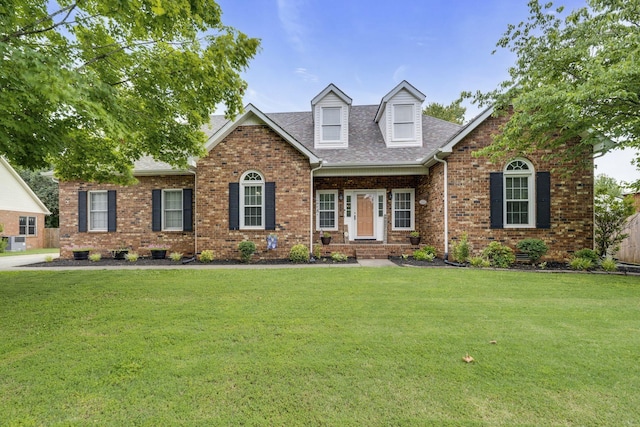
x: 89, y: 86
x: 577, y: 75
x: 453, y: 112
x: 611, y: 211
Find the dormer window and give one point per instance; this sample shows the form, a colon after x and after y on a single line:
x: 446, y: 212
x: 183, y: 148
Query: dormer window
x: 331, y: 123
x: 403, y: 122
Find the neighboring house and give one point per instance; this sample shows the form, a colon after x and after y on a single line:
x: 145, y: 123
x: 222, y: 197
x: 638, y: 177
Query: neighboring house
x: 630, y: 247
x: 369, y: 175
x: 21, y: 211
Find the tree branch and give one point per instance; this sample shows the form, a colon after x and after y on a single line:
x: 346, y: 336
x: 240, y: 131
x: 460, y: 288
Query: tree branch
x: 26, y: 30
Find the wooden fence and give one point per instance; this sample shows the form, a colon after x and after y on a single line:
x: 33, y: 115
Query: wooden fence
x: 630, y: 247
x: 51, y: 237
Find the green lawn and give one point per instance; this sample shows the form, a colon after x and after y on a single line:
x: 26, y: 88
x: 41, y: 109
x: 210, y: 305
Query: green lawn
x: 326, y: 346
x: 31, y: 252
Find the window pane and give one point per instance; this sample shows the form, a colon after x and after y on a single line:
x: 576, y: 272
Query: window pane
x: 402, y: 210
x: 331, y: 133
x: 348, y: 205
x: 403, y: 219
x: 253, y: 216
x: 98, y: 221
x: 517, y: 212
x: 98, y: 201
x: 331, y: 116
x: 403, y: 113
x: 173, y: 219
x: 327, y: 210
x: 327, y: 220
x: 23, y: 225
x: 403, y: 130
x: 173, y: 199
x: 252, y: 196
x: 98, y: 211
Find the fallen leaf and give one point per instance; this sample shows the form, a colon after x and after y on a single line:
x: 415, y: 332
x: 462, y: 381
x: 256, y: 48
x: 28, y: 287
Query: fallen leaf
x: 468, y: 358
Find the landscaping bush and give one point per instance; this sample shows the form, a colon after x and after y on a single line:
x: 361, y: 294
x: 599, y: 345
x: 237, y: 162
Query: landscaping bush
x: 581, y: 263
x: 499, y: 255
x: 132, y: 256
x: 247, y: 248
x: 534, y: 248
x: 338, y: 257
x: 430, y: 250
x: 206, y: 256
x: 299, y: 253
x: 479, y: 262
x: 608, y: 264
x: 95, y: 257
x: 460, y: 251
x: 423, y: 255
x: 588, y: 254
x: 175, y: 256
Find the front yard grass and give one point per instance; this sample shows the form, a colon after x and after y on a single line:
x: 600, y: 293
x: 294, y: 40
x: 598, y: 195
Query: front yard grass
x: 51, y: 251
x: 318, y: 347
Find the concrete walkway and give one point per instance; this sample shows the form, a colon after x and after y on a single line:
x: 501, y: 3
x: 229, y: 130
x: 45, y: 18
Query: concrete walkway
x: 11, y: 262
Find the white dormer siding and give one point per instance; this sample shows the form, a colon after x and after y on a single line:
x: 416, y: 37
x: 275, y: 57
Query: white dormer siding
x: 331, y: 118
x: 399, y: 116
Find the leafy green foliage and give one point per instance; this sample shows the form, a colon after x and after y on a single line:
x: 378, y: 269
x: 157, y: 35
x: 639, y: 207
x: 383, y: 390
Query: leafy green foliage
x: 608, y: 264
x: 132, y: 256
x: 499, y: 255
x: 534, y: 248
x: 47, y: 191
x: 95, y: 257
x: 175, y: 256
x: 423, y: 255
x: 589, y: 254
x: 580, y: 263
x: 247, y: 248
x: 338, y: 257
x: 453, y: 112
x: 479, y: 262
x: 3, y: 244
x: 462, y: 249
x: 576, y: 77
x: 206, y: 256
x: 92, y: 86
x: 299, y: 253
x: 611, y: 211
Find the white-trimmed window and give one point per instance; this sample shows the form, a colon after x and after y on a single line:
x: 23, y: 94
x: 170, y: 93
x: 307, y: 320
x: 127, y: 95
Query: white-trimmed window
x: 403, y: 201
x: 519, y: 194
x: 327, y: 209
x: 404, y: 122
x: 98, y: 211
x: 27, y: 226
x: 252, y: 201
x: 331, y: 123
x: 172, y: 210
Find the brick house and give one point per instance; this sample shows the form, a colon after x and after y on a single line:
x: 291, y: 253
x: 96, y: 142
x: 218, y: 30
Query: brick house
x: 368, y: 175
x: 22, y: 213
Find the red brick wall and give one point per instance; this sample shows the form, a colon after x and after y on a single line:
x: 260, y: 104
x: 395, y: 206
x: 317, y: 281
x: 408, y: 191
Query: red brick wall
x: 571, y: 199
x: 11, y: 222
x: 252, y: 148
x: 133, y: 217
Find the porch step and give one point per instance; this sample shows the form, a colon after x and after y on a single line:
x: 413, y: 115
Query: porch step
x: 381, y: 251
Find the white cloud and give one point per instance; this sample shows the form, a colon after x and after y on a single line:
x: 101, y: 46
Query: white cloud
x: 289, y: 15
x: 306, y: 75
x: 399, y: 73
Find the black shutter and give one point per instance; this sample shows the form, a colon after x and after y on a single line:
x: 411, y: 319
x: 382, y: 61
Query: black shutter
x: 82, y: 211
x: 543, y: 200
x: 156, y: 210
x: 187, y: 209
x: 111, y: 210
x: 270, y: 205
x: 495, y: 195
x: 234, y: 206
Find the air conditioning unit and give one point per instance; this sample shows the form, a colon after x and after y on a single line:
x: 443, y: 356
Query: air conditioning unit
x: 17, y: 243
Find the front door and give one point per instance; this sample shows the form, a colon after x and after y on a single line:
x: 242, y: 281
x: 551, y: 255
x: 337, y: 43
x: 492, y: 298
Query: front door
x: 364, y: 219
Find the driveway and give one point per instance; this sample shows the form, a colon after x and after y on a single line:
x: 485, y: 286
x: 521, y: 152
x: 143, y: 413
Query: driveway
x: 8, y: 262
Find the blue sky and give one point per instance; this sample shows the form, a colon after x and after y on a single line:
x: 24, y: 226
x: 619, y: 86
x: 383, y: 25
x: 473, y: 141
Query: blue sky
x: 442, y: 47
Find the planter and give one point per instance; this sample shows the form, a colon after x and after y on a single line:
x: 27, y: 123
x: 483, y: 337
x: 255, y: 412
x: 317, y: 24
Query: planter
x: 81, y: 255
x: 415, y: 241
x: 119, y: 254
x: 158, y: 253
x: 325, y: 240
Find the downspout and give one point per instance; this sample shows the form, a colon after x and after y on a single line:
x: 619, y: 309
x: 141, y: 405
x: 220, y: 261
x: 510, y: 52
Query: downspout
x: 446, y: 205
x: 311, y: 207
x: 195, y: 213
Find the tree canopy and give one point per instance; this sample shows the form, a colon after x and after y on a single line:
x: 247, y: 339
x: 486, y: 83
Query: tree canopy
x: 611, y: 210
x: 453, y: 112
x: 89, y: 87
x: 577, y: 75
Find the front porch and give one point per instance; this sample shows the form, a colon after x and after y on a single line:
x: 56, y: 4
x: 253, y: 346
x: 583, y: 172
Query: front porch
x: 365, y: 250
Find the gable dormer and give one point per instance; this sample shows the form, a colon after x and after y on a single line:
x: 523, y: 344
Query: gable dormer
x: 399, y: 116
x: 330, y: 109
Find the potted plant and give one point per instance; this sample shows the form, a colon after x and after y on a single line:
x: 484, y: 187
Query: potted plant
x: 325, y: 238
x: 80, y: 252
x: 414, y: 238
x: 158, y: 251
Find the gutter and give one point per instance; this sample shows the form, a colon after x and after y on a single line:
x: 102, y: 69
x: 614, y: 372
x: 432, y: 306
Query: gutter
x: 311, y: 206
x: 446, y: 205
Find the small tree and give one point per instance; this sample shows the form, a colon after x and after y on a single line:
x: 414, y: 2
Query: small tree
x: 611, y: 211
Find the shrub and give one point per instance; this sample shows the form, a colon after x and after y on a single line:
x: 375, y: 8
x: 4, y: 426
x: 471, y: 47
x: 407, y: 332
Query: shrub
x: 430, y: 250
x: 299, y: 253
x: 132, y: 256
x: 247, y: 248
x: 542, y: 265
x: 48, y: 258
x: 608, y: 264
x: 95, y: 257
x: 317, y: 252
x: 479, y: 262
x: 423, y: 255
x: 534, y: 248
x: 3, y: 244
x: 206, y: 255
x: 461, y: 250
x: 499, y: 255
x: 338, y: 257
x: 580, y: 263
x: 176, y: 256
x: 588, y: 254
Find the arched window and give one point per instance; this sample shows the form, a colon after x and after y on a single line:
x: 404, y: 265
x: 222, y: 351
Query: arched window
x: 252, y: 200
x: 519, y: 194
